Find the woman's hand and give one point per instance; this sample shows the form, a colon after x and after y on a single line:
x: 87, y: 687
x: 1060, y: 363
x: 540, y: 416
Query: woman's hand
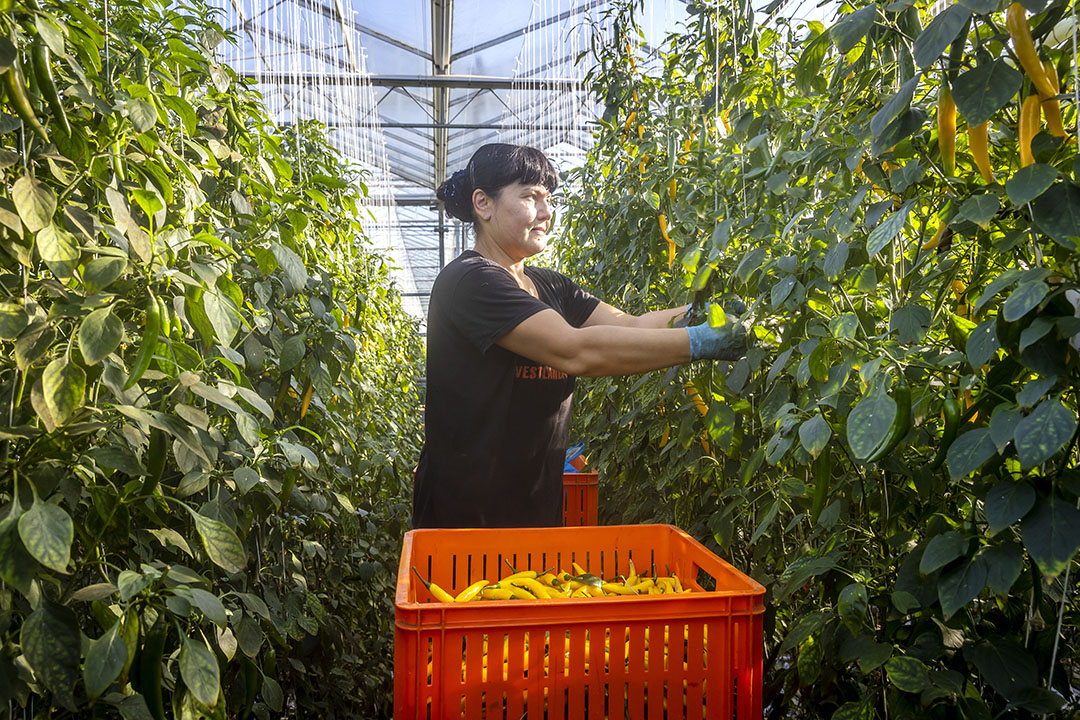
x: 726, y: 342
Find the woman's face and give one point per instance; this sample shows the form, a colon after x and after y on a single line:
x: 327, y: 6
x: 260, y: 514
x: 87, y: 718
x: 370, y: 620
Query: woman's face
x: 519, y: 218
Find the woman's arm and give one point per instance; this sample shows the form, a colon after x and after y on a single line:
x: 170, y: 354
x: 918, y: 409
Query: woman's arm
x: 600, y: 349
x: 605, y: 314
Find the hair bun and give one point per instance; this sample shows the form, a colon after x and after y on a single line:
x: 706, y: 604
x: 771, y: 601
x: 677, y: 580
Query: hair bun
x: 456, y: 197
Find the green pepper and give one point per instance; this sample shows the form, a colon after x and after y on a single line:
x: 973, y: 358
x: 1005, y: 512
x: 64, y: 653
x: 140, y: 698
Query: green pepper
x: 251, y: 685
x: 39, y: 58
x: 822, y: 479
x: 149, y: 343
x: 20, y: 101
x: 155, y: 460
x: 900, y: 424
x: 150, y: 667
x: 952, y: 411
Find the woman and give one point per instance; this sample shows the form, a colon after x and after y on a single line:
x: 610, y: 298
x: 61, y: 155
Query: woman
x: 505, y: 344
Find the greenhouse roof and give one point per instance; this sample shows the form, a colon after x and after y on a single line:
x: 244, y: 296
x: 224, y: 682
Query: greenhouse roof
x: 409, y: 89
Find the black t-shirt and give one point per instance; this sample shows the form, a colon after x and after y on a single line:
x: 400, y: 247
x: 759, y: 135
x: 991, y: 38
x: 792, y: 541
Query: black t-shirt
x: 496, y: 422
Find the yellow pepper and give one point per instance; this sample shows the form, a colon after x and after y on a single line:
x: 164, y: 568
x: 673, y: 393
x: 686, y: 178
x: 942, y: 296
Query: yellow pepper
x: 946, y: 124
x: 1029, y: 126
x: 1016, y: 20
x: 1050, y: 107
x: 662, y: 219
x: 980, y: 151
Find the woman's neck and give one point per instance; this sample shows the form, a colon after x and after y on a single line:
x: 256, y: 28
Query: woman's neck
x: 490, y: 250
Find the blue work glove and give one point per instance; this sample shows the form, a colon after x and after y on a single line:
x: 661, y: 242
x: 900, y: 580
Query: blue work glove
x: 727, y: 342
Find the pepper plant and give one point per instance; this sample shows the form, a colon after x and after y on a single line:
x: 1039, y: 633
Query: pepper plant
x: 895, y: 457
x: 207, y: 384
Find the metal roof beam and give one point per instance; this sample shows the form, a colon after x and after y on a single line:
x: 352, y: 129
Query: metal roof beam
x: 365, y: 30
x: 425, y: 81
x: 520, y: 32
x: 442, y: 37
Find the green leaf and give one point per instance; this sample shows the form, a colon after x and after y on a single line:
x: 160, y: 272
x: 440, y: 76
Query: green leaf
x: 1057, y: 213
x: 102, y: 272
x: 1004, y: 564
x: 210, y: 606
x: 809, y: 661
x: 847, y: 33
x: 51, y: 33
x: 979, y: 209
x: 142, y: 114
x: 908, y: 674
x: 851, y: 606
x: 942, y: 550
x: 13, y: 320
x: 803, y: 628
x: 196, y: 314
x: 1006, y: 503
x: 907, y: 124
x: 200, y: 671
x: 245, y: 479
x: 99, y: 334
x: 1004, y: 664
x: 835, y: 260
x: 1030, y: 182
x: 844, y: 325
x: 896, y: 105
x: 47, y: 532
x: 960, y: 585
x: 969, y: 452
x: 59, y: 249
x: 292, y: 266
x: 222, y: 314
x: 292, y: 352
x: 721, y: 236
x: 814, y: 435
x: 781, y: 290
x: 869, y: 422
x: 720, y: 424
x: 883, y: 234
x: 874, y: 655
x: 1003, y: 424
x: 910, y: 323
x: 50, y: 644
x: 982, y: 7
x: 221, y: 543
x: 130, y: 583
x: 938, y: 35
x: 134, y: 707
x: 250, y: 636
x: 860, y: 710
x: 982, y: 91
x: 982, y: 343
x: 1051, y: 534
x: 809, y: 66
x: 17, y: 567
x: 34, y: 201
x: 271, y: 693
x: 105, y: 661
x: 1025, y: 298
x: 1043, y: 433
x: 63, y: 384
x: 33, y: 343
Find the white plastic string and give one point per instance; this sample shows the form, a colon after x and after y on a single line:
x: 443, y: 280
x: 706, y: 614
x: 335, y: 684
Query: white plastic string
x: 1068, y: 567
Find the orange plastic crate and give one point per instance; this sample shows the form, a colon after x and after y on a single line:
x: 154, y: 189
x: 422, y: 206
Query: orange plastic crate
x: 503, y: 659
x: 580, y: 498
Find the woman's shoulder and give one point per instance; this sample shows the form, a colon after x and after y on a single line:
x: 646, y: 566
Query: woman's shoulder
x: 470, y: 267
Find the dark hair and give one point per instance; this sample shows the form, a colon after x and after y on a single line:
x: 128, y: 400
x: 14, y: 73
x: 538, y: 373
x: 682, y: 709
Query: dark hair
x: 491, y: 168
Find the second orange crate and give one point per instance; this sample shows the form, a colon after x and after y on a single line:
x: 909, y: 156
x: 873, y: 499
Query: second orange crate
x: 696, y: 655
x: 580, y: 498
